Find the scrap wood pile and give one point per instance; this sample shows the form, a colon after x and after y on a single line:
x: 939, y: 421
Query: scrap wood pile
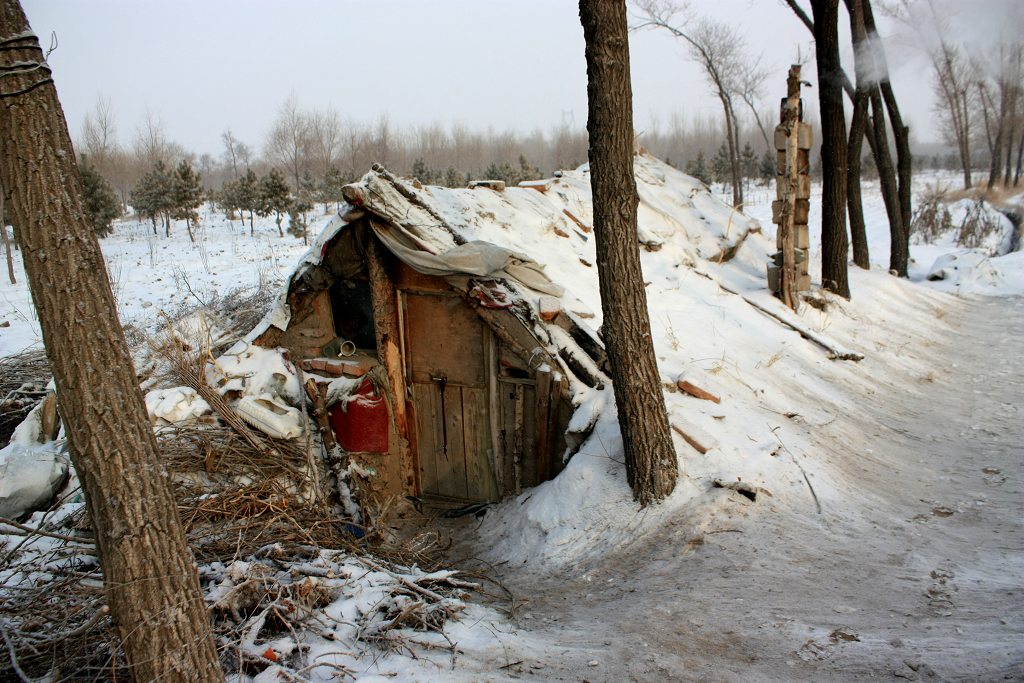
x: 293, y: 581
x: 292, y: 605
x: 23, y: 380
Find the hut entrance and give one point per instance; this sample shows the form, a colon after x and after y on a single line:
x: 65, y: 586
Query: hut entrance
x: 446, y: 359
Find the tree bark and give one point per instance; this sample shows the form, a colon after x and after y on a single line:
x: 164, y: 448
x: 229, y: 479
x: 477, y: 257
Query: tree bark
x: 858, y: 128
x: 834, y: 245
x: 149, y: 576
x: 651, y: 465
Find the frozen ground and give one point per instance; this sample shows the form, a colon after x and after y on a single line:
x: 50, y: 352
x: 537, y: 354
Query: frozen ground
x: 886, y: 536
x: 914, y: 568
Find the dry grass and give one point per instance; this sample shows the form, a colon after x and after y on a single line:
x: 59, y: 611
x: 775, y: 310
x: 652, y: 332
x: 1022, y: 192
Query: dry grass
x: 23, y: 380
x: 241, y: 496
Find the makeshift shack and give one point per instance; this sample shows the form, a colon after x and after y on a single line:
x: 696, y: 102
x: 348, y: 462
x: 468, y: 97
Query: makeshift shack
x: 466, y: 362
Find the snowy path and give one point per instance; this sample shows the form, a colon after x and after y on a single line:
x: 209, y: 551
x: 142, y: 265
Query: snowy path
x: 916, y: 576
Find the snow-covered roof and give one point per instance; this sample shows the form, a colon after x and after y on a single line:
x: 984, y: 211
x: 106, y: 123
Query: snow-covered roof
x: 548, y: 222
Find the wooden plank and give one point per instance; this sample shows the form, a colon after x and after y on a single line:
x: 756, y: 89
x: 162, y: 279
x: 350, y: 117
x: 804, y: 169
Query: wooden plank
x: 517, y: 439
x: 694, y: 435
x: 695, y: 391
x: 544, y: 426
x: 388, y: 332
x: 480, y: 479
x: 451, y: 458
x: 428, y: 434
x: 445, y: 339
x: 507, y: 418
x: 531, y: 477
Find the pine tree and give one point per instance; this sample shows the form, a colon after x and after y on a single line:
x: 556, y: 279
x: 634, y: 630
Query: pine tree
x: 330, y: 187
x: 187, y: 195
x: 698, y: 168
x: 767, y: 168
x: 452, y: 177
x: 153, y: 196
x: 721, y: 166
x: 527, y: 171
x: 248, y: 196
x: 101, y: 204
x: 748, y: 162
x: 422, y: 172
x: 227, y: 200
x: 275, y: 197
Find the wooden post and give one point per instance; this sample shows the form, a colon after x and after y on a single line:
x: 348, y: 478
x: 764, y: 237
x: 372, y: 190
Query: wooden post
x: 793, y: 143
x: 384, y: 299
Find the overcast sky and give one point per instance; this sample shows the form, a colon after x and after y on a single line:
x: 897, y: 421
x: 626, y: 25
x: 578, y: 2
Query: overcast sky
x: 202, y: 66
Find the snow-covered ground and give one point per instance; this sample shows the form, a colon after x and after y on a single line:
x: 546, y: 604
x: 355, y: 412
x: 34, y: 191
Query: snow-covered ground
x: 886, y: 535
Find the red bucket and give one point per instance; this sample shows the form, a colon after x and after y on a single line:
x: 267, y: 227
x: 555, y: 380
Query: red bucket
x: 361, y: 424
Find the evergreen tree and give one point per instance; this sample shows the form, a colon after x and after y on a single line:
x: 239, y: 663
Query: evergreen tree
x: 452, y: 177
x: 153, y: 196
x: 247, y: 196
x: 187, y: 195
x: 502, y: 171
x: 748, y: 162
x: 698, y: 168
x: 767, y: 168
x: 526, y: 170
x: 227, y: 200
x: 100, y: 200
x: 274, y: 197
x: 424, y: 173
x: 297, y: 222
x: 721, y: 166
x: 330, y: 187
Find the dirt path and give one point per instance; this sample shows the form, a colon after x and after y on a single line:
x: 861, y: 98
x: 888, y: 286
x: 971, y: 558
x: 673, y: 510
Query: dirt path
x: 919, y: 575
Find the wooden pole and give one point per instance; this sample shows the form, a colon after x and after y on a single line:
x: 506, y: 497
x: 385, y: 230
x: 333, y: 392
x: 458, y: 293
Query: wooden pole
x: 788, y: 186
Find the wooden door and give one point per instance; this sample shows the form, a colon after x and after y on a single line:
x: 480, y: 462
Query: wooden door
x: 446, y: 360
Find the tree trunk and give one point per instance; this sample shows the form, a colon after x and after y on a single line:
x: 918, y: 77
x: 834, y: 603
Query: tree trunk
x: 900, y: 135
x: 7, y: 241
x: 1020, y: 158
x: 854, y: 203
x: 834, y: 246
x: 890, y: 190
x: 858, y: 128
x: 734, y: 152
x: 997, y: 152
x: 651, y: 465
x: 149, y: 576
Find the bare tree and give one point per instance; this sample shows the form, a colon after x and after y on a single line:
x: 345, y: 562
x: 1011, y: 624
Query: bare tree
x: 151, y: 144
x: 834, y: 247
x: 858, y: 128
x: 325, y: 137
x: 895, y: 191
x: 717, y: 47
x: 651, y: 464
x: 999, y: 89
x: 149, y: 576
x: 99, y: 137
x: 231, y: 152
x: 289, y: 141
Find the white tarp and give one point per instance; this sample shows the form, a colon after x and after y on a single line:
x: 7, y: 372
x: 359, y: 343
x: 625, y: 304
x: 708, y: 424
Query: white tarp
x: 480, y: 259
